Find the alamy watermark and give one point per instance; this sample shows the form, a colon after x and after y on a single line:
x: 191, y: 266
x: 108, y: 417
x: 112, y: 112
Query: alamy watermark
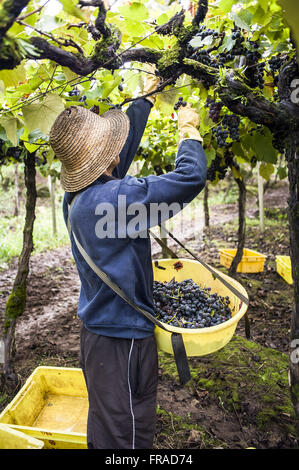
x: 295, y: 91
x: 133, y: 220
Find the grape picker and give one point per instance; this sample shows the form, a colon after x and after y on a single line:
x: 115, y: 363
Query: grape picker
x: 118, y: 352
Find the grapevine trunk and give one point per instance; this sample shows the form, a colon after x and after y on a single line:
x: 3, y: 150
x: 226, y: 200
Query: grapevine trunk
x: 293, y: 167
x: 206, y: 206
x: 242, y: 226
x: 16, y: 302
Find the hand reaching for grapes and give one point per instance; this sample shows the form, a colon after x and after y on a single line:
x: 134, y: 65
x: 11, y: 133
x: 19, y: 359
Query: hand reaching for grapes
x: 188, y: 122
x: 151, y: 82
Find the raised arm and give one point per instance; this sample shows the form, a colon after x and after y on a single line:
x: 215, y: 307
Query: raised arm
x: 138, y: 114
x: 170, y: 191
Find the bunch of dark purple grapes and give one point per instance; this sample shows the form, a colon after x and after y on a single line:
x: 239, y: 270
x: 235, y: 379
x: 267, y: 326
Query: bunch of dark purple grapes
x: 221, y: 136
x: 276, y: 62
x: 74, y: 92
x: 238, y: 48
x: 229, y: 127
x: 232, y: 123
x: 255, y: 75
x: 214, y: 109
x: 14, y: 152
x: 216, y: 170
x: 180, y: 103
x: 252, y: 54
x: 203, y: 32
x: 278, y: 142
x: 82, y: 99
x: 260, y: 71
x: 219, y: 167
x: 223, y: 58
x: 203, y: 57
x: 120, y: 86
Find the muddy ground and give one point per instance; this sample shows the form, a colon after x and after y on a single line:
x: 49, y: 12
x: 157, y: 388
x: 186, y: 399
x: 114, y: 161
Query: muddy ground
x: 200, y: 415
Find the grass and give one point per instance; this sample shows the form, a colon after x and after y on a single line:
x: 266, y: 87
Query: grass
x: 43, y: 236
x: 274, y: 220
x: 11, y: 234
x: 262, y: 371
x: 11, y: 227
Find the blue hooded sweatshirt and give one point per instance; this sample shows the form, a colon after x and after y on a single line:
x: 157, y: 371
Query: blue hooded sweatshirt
x: 126, y: 258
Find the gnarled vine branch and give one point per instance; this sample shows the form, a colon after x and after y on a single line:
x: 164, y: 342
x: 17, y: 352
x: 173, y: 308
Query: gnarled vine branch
x: 233, y: 90
x: 9, y: 11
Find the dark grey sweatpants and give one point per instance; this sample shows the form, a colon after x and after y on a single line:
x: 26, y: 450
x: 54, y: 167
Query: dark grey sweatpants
x: 121, y: 377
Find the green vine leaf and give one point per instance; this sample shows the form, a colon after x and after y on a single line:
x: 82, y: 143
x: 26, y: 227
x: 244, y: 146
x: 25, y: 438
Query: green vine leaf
x: 266, y: 170
x: 12, y: 78
x: 11, y: 124
x: 136, y: 11
x: 41, y: 115
x: 69, y: 6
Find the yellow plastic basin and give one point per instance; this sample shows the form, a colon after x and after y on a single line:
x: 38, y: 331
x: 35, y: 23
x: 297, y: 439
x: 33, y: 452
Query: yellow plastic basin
x: 284, y: 268
x: 199, y: 341
x: 251, y: 262
x: 51, y: 406
x: 12, y: 439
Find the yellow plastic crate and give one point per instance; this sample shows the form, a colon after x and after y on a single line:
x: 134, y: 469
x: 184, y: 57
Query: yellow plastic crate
x: 12, y: 439
x: 252, y: 261
x: 199, y: 341
x: 52, y: 406
x: 284, y: 268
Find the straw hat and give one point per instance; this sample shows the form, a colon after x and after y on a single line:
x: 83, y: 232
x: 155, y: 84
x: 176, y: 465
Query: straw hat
x: 86, y: 144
